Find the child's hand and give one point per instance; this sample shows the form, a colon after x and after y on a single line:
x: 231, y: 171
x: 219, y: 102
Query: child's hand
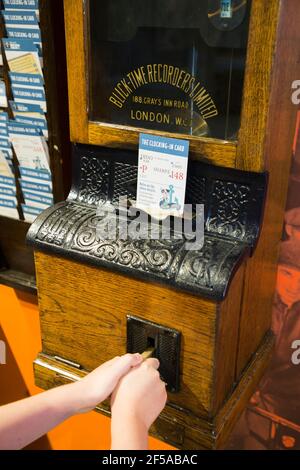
x: 99, y: 384
x: 135, y: 404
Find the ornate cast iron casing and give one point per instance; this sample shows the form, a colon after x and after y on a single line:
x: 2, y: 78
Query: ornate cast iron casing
x: 233, y: 203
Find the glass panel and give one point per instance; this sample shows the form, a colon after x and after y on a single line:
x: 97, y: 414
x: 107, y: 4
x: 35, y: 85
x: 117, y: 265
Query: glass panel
x: 171, y: 65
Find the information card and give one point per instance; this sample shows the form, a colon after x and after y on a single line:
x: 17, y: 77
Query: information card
x: 162, y: 175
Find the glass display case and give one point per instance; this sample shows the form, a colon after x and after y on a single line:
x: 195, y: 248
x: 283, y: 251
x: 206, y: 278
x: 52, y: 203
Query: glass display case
x: 172, y: 65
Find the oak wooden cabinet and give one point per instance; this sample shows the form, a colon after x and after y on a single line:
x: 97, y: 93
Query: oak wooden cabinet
x: 208, y: 314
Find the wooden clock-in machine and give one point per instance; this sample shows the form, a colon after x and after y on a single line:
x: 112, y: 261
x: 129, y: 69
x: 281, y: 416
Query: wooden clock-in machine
x: 217, y: 73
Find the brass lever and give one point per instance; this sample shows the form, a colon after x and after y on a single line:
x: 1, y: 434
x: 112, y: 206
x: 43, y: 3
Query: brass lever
x: 147, y: 353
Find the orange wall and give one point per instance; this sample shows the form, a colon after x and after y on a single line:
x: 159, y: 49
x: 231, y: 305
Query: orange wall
x: 19, y: 328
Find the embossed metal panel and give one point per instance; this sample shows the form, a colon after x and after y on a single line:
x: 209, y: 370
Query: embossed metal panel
x: 233, y: 203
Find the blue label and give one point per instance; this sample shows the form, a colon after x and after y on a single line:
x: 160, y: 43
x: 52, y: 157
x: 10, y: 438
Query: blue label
x: 33, y: 122
x: 166, y: 145
x: 3, y: 132
x: 5, y: 143
x: 38, y: 198
x: 21, y: 4
x: 31, y: 210
x: 26, y: 108
x: 226, y: 9
x: 7, y: 203
x: 26, y: 79
x: 3, y: 117
x: 38, y: 174
x: 24, y: 33
x: 22, y: 129
x: 7, y: 180
x: 7, y: 191
x: 20, y: 18
x: 39, y: 187
x: 22, y: 45
x: 28, y: 93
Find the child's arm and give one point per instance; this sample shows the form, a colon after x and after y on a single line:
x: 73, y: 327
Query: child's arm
x: 26, y: 420
x: 136, y: 402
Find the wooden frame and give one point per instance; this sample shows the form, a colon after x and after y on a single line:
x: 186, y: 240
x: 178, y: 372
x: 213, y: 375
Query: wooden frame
x: 247, y: 152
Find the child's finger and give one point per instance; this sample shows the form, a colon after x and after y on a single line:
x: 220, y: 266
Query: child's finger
x: 124, y: 363
x: 152, y: 362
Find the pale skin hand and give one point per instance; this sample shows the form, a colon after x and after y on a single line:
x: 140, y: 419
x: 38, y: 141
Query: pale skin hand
x: 26, y: 420
x: 135, y: 404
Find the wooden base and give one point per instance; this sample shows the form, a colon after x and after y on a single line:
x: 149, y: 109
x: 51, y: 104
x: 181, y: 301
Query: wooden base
x: 176, y: 426
x: 83, y: 313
